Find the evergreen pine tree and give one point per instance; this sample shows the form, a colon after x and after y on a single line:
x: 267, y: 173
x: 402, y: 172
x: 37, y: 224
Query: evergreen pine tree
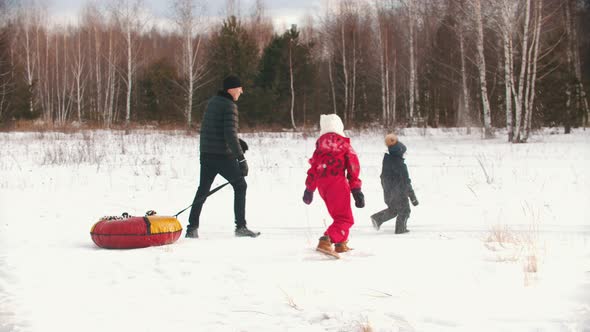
x: 233, y: 51
x: 273, y: 80
x: 158, y: 94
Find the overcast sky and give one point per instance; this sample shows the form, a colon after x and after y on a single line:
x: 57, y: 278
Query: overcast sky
x: 283, y: 12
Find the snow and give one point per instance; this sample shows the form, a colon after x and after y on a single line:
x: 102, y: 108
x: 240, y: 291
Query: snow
x: 452, y: 272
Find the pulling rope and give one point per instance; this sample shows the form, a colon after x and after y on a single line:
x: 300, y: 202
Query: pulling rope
x: 202, y: 198
x: 244, y: 147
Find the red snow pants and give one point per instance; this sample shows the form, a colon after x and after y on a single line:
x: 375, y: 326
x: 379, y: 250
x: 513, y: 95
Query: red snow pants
x: 335, y: 191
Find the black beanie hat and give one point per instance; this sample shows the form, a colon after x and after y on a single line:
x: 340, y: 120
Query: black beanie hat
x: 231, y: 82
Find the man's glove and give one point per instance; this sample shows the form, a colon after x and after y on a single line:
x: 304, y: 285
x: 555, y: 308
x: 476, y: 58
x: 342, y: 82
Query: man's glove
x: 243, y: 167
x: 307, y: 196
x: 243, y: 145
x: 359, y: 198
x: 412, y: 196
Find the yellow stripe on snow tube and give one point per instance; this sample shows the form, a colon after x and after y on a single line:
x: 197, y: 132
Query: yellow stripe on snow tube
x: 164, y: 224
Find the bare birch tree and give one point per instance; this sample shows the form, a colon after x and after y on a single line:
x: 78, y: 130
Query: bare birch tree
x: 291, y: 85
x: 5, y: 65
x: 461, y: 28
x: 412, y: 18
x: 92, y: 22
x: 101, y: 63
x: 506, y: 18
x: 61, y: 78
x: 45, y: 90
x: 481, y: 64
x: 520, y: 91
x: 411, y: 12
x: 385, y: 43
x: 128, y: 15
x: 110, y: 88
x: 259, y: 25
x: 80, y: 73
x: 382, y: 46
x: 104, y: 68
x: 332, y: 88
x: 188, y: 17
x: 30, y: 14
x: 576, y: 93
x: 328, y: 50
x: 344, y: 62
x: 533, y: 57
x: 348, y: 29
x: 519, y: 95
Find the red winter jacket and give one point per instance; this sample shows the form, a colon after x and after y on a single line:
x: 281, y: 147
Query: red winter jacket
x: 333, y: 156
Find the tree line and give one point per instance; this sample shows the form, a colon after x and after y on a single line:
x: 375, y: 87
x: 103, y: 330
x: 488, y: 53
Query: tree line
x: 491, y: 64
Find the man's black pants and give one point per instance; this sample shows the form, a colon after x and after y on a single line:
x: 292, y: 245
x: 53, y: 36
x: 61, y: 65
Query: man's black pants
x: 211, y: 165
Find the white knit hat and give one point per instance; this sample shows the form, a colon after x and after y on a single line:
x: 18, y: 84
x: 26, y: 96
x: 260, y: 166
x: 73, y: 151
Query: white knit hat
x: 331, y: 123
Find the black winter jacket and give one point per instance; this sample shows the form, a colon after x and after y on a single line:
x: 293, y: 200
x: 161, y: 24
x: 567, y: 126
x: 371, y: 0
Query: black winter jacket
x: 394, y: 176
x: 219, y: 128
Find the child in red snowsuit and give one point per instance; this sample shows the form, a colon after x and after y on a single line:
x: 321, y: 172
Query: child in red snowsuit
x: 334, y: 172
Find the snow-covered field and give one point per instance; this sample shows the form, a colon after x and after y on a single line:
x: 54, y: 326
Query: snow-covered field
x: 499, y: 242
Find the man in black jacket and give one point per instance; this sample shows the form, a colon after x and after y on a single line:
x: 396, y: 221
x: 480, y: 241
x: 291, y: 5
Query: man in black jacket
x: 222, y: 154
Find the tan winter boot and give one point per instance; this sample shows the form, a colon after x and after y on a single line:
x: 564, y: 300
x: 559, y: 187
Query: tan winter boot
x: 325, y: 246
x: 342, y: 247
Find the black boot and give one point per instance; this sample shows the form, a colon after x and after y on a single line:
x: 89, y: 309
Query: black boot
x: 243, y: 231
x: 400, y: 224
x: 192, y: 232
x: 406, y: 230
x: 382, y: 216
x: 376, y: 223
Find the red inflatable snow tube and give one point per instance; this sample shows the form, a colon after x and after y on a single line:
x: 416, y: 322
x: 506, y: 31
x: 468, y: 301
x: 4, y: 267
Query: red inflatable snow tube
x: 130, y: 232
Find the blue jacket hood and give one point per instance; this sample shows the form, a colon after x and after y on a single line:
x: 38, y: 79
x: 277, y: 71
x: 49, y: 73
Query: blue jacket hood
x: 397, y: 150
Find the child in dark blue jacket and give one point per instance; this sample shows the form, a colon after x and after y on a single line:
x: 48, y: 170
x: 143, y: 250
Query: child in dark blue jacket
x: 397, y: 187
